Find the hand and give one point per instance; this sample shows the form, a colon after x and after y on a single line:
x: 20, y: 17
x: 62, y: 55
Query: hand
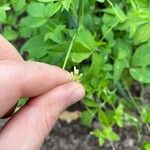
x: 51, y: 90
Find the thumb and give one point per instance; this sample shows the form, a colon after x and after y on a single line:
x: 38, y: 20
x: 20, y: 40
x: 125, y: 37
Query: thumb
x: 29, y: 127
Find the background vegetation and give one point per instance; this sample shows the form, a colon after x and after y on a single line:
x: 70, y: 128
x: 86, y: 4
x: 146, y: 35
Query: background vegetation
x: 108, y: 41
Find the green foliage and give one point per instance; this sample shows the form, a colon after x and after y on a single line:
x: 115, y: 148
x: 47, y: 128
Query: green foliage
x: 108, y: 41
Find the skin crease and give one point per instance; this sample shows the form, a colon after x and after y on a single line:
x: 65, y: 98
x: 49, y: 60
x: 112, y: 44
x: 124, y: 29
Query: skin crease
x: 50, y: 90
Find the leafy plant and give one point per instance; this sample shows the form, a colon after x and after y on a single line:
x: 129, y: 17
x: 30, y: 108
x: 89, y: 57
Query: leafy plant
x: 109, y: 41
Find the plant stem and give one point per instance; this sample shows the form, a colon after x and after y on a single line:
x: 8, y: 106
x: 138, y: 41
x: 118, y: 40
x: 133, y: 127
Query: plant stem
x: 108, y: 31
x: 112, y: 145
x: 69, y: 50
x: 80, y: 15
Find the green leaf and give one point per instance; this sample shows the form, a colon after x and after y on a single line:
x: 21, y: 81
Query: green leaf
x: 78, y: 53
x: 141, y: 56
x: 34, y: 22
x: 35, y: 46
x: 90, y: 103
x: 36, y: 9
x: 100, y: 135
x: 56, y: 34
x: 10, y: 34
x: 141, y: 74
x: 145, y: 113
x: 2, y: 16
x: 47, y: 1
x: 119, y: 115
x: 87, y: 117
x: 146, y: 145
x: 18, y: 5
x: 119, y: 66
x: 142, y: 34
x: 119, y: 13
x: 86, y: 39
x: 122, y: 51
x: 66, y: 4
x: 52, y: 8
x: 110, y: 134
x: 102, y: 117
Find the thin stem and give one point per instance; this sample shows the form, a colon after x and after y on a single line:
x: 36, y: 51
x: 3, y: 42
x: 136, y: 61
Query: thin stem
x: 80, y: 15
x: 110, y: 29
x: 133, y: 4
x: 110, y: 3
x: 69, y: 50
x: 112, y: 145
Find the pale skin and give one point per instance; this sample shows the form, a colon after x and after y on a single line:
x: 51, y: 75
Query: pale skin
x: 50, y: 90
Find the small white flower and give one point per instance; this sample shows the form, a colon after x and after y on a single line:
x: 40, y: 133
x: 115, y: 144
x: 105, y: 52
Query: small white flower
x: 76, y: 75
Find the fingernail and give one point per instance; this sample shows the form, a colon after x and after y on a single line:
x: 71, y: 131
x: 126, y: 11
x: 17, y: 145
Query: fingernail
x: 78, y: 92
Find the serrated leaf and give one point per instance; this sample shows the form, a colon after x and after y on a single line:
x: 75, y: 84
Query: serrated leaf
x: 90, y: 103
x: 119, y: 115
x: 87, y: 117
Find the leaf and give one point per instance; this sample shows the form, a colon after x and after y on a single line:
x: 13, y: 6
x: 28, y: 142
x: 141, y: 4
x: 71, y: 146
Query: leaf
x: 46, y: 1
x: 52, y: 8
x: 66, y: 4
x: 146, y: 145
x: 87, y: 117
x: 34, y: 22
x: 56, y: 34
x: 90, y: 103
x: 78, y: 53
x: 145, y: 113
x: 100, y: 135
x: 119, y: 66
x: 141, y: 74
x: 101, y: 1
x: 122, y: 51
x: 119, y: 115
x: 141, y: 56
x: 10, y: 34
x: 119, y: 13
x: 102, y: 117
x: 95, y: 66
x: 18, y: 5
x: 110, y: 134
x: 36, y: 9
x: 2, y: 16
x: 35, y: 46
x: 142, y: 34
x: 86, y: 39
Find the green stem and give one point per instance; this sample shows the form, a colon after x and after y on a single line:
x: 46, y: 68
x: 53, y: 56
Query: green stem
x: 80, y: 15
x: 133, y: 4
x: 110, y: 29
x: 69, y: 50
